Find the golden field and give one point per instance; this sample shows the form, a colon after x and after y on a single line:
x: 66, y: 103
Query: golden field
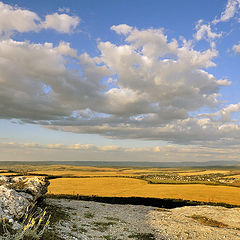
x: 205, y: 172
x: 76, y: 171
x: 79, y: 171
x: 127, y: 187
x: 233, y: 176
x: 215, y: 185
x: 96, y: 171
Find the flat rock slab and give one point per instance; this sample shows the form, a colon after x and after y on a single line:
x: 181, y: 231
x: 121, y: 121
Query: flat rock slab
x: 92, y: 220
x: 179, y: 224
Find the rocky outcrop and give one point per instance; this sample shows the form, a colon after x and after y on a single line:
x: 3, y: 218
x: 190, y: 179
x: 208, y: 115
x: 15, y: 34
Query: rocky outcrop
x: 196, y: 222
x: 17, y: 193
x: 144, y: 222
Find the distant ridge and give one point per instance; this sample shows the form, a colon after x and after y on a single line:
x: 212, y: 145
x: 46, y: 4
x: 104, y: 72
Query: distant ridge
x: 127, y: 163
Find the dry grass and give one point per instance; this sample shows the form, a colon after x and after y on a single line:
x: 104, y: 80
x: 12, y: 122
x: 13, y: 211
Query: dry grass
x: 112, y: 182
x: 208, y: 221
x: 83, y: 173
x: 128, y: 187
x: 78, y: 171
x: 8, y: 174
x: 190, y: 173
x: 233, y: 176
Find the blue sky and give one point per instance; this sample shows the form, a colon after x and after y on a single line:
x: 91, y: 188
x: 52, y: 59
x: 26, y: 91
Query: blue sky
x: 119, y: 80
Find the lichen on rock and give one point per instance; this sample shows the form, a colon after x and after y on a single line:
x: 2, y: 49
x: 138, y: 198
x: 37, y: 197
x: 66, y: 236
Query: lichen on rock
x: 17, y: 193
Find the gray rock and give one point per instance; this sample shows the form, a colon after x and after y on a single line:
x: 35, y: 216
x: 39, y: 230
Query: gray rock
x: 12, y: 203
x: 178, y: 223
x: 36, y: 186
x: 17, y: 193
x: 3, y: 180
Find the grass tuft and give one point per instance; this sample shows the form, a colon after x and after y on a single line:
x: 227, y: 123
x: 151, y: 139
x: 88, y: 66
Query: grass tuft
x: 102, y: 226
x: 88, y: 215
x: 208, y: 221
x: 142, y: 236
x: 31, y: 227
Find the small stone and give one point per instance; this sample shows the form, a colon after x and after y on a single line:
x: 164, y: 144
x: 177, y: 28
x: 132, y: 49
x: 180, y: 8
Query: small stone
x: 16, y: 225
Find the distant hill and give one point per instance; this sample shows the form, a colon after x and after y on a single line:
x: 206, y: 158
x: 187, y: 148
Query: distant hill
x: 127, y: 163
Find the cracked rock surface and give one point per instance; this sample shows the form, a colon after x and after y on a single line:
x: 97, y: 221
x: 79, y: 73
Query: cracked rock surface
x: 93, y: 220
x: 17, y: 193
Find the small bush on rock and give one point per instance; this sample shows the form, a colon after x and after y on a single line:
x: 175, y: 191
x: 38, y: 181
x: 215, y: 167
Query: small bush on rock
x: 31, y: 227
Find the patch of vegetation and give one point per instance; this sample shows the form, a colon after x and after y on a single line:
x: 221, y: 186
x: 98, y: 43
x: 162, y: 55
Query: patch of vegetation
x: 5, y: 226
x: 57, y: 213
x: 85, y: 225
x: 88, y: 215
x: 33, y: 226
x: 162, y: 210
x: 51, y: 235
x: 18, y: 185
x: 142, y: 236
x: 208, y: 221
x: 112, y: 219
x: 82, y: 230
x: 74, y: 227
x: 109, y: 237
x: 102, y: 226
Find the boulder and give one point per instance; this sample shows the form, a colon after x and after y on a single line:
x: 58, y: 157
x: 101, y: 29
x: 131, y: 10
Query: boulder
x: 17, y: 193
x: 36, y: 186
x: 13, y: 204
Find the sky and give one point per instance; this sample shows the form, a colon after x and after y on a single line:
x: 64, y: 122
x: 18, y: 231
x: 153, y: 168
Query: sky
x: 119, y: 80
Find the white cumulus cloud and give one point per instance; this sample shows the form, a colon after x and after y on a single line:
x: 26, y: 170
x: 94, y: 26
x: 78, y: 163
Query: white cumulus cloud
x: 16, y: 19
x: 230, y: 10
x: 205, y: 31
x: 122, y: 29
x: 158, y: 85
x: 236, y: 48
x: 61, y: 22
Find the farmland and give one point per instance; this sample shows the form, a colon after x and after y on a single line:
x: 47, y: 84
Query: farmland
x: 208, y: 185
x: 126, y: 187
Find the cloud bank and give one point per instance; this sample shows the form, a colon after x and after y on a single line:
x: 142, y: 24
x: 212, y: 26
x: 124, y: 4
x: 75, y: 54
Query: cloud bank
x: 149, y: 87
x: 39, y: 152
